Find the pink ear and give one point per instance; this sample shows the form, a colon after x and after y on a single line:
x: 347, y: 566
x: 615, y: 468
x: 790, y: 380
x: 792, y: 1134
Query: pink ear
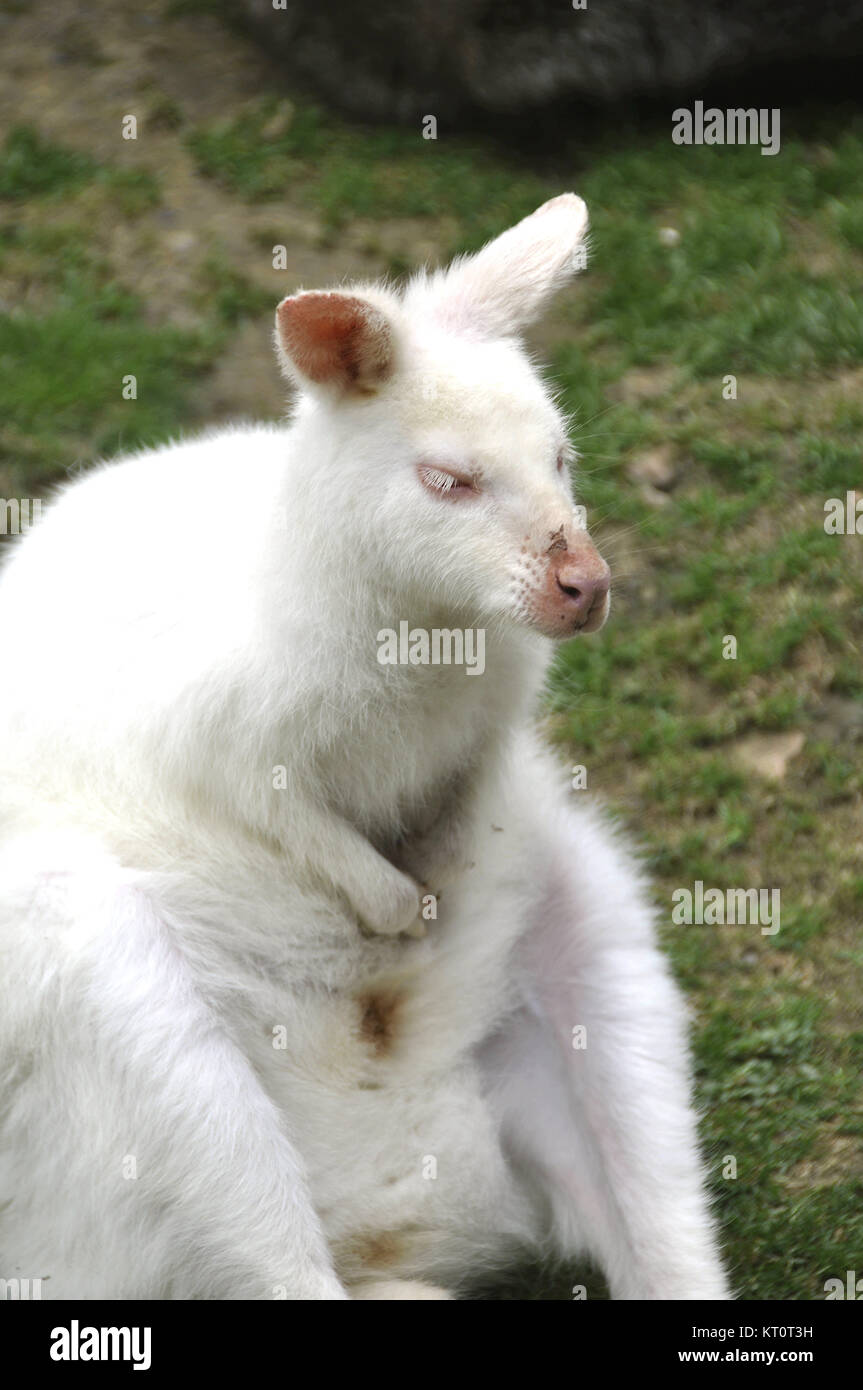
x: 335, y: 339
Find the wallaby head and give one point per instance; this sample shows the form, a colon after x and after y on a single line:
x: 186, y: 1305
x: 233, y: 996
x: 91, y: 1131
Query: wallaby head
x: 449, y: 455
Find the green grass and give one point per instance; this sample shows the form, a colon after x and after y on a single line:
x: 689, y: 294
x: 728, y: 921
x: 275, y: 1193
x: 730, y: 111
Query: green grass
x: 31, y: 167
x: 760, y: 285
x: 75, y: 331
x: 374, y: 173
x: 62, y: 364
x: 736, y: 271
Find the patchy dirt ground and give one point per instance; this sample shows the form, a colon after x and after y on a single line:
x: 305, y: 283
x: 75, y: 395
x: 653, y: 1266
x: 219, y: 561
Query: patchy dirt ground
x: 75, y: 71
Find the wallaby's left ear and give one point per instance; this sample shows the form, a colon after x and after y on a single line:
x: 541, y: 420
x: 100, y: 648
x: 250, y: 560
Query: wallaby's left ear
x: 507, y: 284
x: 334, y: 340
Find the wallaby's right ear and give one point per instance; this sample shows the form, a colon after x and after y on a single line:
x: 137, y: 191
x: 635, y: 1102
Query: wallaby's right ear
x: 334, y: 340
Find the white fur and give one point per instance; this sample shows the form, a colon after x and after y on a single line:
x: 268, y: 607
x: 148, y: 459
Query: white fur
x: 181, y: 623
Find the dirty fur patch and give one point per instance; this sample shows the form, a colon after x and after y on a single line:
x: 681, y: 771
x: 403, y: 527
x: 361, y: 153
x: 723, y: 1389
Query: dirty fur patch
x: 379, y: 1012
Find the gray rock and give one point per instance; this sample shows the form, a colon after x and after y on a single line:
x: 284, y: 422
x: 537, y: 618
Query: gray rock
x: 406, y: 58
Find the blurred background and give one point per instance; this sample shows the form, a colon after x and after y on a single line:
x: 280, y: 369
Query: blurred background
x: 712, y: 356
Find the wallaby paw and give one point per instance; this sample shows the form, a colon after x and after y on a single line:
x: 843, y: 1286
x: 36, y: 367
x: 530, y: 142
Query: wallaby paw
x: 409, y: 1289
x: 397, y: 910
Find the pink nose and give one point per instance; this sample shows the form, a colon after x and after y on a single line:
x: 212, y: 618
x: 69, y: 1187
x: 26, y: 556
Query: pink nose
x: 583, y: 590
x: 573, y: 596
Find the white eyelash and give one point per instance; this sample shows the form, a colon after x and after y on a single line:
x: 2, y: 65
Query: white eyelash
x: 437, y: 478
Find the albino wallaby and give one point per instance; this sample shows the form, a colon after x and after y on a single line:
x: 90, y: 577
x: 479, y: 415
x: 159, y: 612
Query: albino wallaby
x: 299, y: 929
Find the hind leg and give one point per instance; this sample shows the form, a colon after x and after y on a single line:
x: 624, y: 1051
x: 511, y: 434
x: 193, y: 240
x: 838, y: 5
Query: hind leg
x: 139, y: 1156
x: 591, y: 1079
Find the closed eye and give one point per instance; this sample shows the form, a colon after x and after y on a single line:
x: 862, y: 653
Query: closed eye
x: 446, y: 482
